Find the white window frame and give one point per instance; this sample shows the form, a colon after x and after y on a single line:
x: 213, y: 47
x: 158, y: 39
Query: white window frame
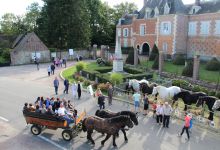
x: 217, y: 27
x: 205, y: 28
x: 119, y: 31
x: 192, y: 28
x: 142, y: 31
x: 131, y: 32
x: 125, y: 32
x: 165, y: 30
x: 125, y: 43
x: 165, y: 47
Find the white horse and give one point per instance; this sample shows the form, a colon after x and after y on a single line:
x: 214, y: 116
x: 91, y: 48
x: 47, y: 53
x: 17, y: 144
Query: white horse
x: 135, y: 84
x: 144, y: 81
x: 216, y: 105
x: 166, y: 93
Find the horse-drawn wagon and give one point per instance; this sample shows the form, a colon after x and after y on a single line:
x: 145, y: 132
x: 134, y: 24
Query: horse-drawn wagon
x: 46, y: 121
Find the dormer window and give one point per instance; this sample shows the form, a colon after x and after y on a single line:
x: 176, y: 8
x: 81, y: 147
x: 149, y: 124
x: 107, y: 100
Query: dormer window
x: 156, y: 12
x: 166, y: 9
x: 194, y: 9
x: 147, y: 13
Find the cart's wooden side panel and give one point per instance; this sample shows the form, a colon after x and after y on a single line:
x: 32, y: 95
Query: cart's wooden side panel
x: 47, y: 123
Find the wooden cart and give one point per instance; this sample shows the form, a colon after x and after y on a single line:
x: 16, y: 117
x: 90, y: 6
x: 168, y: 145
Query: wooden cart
x: 45, y: 121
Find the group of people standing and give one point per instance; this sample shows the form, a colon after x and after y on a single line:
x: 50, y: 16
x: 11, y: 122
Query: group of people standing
x: 76, y: 88
x: 162, y: 111
x: 101, y: 97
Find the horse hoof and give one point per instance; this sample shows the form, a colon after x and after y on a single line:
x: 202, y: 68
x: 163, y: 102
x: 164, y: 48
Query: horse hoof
x: 115, y: 146
x: 102, y: 143
x: 126, y: 141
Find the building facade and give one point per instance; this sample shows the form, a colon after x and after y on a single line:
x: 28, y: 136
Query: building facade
x: 28, y: 46
x: 174, y: 27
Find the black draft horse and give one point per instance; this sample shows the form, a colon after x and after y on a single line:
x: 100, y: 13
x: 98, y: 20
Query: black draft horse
x: 188, y: 98
x: 110, y: 126
x: 110, y: 114
x: 147, y: 89
x: 129, y: 89
x: 209, y: 101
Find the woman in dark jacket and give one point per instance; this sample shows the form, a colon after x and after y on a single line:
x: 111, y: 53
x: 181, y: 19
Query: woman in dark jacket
x: 79, y: 89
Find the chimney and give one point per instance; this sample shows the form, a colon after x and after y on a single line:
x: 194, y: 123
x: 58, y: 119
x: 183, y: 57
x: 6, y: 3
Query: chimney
x: 197, y: 2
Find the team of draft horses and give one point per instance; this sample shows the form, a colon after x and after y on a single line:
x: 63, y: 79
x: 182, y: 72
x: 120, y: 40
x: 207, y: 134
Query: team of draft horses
x: 174, y: 93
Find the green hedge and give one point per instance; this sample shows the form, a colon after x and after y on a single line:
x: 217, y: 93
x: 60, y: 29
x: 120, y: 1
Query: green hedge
x: 139, y: 76
x: 132, y: 70
x: 92, y: 74
x: 213, y: 65
x: 195, y: 88
x: 104, y: 69
x: 179, y: 60
x: 188, y: 70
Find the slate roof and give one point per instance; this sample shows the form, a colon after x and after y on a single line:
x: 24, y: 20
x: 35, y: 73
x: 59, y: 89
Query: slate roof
x: 209, y: 7
x: 29, y: 42
x: 176, y: 7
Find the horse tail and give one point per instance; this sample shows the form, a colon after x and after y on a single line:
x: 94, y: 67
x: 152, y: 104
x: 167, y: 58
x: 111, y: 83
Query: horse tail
x: 84, y: 126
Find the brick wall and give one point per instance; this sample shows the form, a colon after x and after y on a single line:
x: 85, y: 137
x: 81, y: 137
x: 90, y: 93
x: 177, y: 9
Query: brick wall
x: 209, y: 45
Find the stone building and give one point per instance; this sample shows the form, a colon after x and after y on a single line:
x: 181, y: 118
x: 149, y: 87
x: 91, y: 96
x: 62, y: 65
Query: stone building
x: 28, y: 46
x: 174, y: 28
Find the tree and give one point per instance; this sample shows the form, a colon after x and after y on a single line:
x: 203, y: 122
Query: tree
x: 156, y: 63
x: 154, y: 53
x: 122, y: 9
x: 64, y: 24
x: 32, y: 14
x: 7, y: 24
x: 188, y: 70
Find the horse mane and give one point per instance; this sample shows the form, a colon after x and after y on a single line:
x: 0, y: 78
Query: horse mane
x: 128, y: 113
x: 121, y: 118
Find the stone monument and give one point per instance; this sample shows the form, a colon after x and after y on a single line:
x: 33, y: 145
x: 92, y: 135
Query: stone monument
x: 118, y: 60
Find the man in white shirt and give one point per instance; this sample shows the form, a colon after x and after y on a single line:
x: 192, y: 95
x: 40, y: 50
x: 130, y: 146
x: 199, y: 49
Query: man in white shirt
x: 62, y: 112
x: 167, y: 110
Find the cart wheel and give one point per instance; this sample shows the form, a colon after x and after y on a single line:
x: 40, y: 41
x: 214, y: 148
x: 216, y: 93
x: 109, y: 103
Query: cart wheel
x: 36, y: 130
x: 67, y: 135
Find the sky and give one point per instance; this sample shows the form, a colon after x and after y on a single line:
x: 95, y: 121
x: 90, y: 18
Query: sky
x: 18, y: 7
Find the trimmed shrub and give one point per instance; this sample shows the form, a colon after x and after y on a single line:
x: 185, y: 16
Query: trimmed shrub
x: 197, y: 88
x: 103, y: 86
x: 80, y: 66
x: 92, y: 74
x: 109, y: 63
x: 101, y: 78
x: 179, y: 60
x: 140, y: 76
x: 104, y: 70
x: 86, y: 83
x: 188, y: 70
x: 213, y: 65
x: 211, y: 93
x: 180, y: 83
x: 217, y: 95
x: 132, y: 70
x: 130, y: 59
x: 156, y: 63
x: 116, y: 78
x: 154, y: 53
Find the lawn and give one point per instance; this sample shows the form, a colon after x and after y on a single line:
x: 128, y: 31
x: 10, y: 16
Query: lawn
x: 68, y: 73
x: 211, y: 76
